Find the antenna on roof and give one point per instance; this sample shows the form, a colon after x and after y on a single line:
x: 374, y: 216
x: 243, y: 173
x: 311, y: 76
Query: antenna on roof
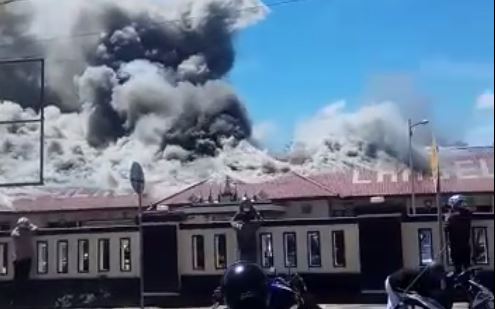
x: 210, y: 196
x: 235, y: 197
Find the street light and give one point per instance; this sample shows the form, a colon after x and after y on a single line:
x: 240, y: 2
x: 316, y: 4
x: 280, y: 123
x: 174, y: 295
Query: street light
x: 411, y: 127
x: 138, y: 182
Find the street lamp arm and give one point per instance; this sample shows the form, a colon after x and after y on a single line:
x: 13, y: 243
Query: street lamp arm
x: 420, y: 123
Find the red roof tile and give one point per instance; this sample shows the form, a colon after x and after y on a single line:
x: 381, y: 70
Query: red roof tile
x: 54, y: 203
x: 468, y: 170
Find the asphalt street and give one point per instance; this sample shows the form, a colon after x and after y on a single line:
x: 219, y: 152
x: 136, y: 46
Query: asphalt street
x: 355, y: 306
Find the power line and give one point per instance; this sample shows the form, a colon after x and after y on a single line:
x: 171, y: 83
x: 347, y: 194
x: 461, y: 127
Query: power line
x: 171, y: 21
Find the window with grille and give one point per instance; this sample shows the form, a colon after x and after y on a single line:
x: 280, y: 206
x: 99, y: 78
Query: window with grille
x: 425, y: 239
x: 220, y: 251
x: 103, y: 255
x: 4, y: 259
x: 290, y: 250
x: 62, y: 256
x: 338, y: 246
x: 266, y: 250
x: 314, y: 249
x: 480, y: 245
x: 42, y: 257
x: 125, y: 255
x: 198, y: 246
x: 83, y: 255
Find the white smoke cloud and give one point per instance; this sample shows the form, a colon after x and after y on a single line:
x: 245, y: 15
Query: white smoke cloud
x: 5, y: 202
x: 160, y: 109
x: 485, y: 101
x: 375, y: 131
x: 264, y: 131
x: 482, y: 133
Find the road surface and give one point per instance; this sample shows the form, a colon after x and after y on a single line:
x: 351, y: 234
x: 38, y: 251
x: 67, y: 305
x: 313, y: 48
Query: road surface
x: 356, y: 306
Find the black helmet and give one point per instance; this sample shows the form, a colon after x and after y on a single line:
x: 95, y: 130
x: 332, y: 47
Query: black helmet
x: 245, y: 286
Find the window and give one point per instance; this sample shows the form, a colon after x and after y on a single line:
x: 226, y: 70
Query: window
x: 425, y: 239
x: 306, y: 209
x: 266, y: 250
x: 198, y: 243
x: 338, y: 247
x: 83, y: 255
x: 4, y: 259
x: 42, y: 249
x: 220, y: 251
x: 314, y: 249
x: 125, y: 255
x: 290, y: 250
x: 103, y: 255
x: 480, y: 246
x: 62, y: 257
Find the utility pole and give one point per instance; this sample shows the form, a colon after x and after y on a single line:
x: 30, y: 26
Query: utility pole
x: 137, y: 182
x: 411, y: 127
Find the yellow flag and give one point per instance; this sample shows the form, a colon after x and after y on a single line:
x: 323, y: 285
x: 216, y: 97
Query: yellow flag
x: 435, y: 162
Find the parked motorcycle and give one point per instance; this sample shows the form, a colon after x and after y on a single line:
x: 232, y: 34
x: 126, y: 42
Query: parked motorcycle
x: 478, y: 296
x: 291, y: 292
x: 288, y: 292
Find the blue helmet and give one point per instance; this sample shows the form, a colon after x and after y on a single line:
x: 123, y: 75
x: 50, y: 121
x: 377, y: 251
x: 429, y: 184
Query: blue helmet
x: 458, y: 201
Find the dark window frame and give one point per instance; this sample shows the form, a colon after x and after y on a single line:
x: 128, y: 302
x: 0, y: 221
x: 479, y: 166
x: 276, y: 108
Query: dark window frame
x: 80, y: 259
x: 420, y: 251
x: 47, y: 261
x: 121, y: 261
x: 194, y: 252
x: 271, y: 260
x: 216, y: 253
x: 5, y: 253
x: 286, y: 252
x: 59, y: 242
x: 334, y: 251
x: 487, y: 244
x: 107, y: 257
x: 308, y: 245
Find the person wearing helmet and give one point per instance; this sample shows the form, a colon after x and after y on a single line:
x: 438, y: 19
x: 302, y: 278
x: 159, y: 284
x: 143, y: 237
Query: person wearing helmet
x: 245, y: 286
x: 430, y: 282
x: 22, y: 236
x: 458, y: 229
x: 246, y: 223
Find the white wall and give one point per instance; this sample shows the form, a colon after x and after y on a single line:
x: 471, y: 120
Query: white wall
x: 351, y: 244
x: 410, y: 245
x: 114, y: 272
x: 319, y: 209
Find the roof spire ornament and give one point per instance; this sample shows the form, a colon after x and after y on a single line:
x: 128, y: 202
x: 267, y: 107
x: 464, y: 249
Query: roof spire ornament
x: 210, y: 196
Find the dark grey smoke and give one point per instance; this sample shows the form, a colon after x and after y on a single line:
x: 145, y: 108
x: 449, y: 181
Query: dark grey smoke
x: 18, y: 82
x: 186, y: 62
x: 21, y: 81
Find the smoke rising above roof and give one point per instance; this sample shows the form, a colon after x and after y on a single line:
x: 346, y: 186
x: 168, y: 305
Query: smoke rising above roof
x: 145, y: 81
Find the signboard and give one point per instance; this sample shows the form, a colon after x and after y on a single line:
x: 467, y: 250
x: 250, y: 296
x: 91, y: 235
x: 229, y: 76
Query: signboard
x: 137, y: 178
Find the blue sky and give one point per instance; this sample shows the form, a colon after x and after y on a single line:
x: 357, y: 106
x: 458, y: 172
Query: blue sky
x: 308, y: 54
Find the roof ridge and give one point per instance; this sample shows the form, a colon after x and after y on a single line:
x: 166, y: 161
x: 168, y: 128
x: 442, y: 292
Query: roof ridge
x: 314, y: 182
x: 182, y: 191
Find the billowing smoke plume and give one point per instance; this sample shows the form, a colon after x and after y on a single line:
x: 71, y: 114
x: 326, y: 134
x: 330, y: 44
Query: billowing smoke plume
x: 149, y: 72
x: 376, y: 132
x: 145, y: 81
x: 19, y: 82
x: 163, y: 78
